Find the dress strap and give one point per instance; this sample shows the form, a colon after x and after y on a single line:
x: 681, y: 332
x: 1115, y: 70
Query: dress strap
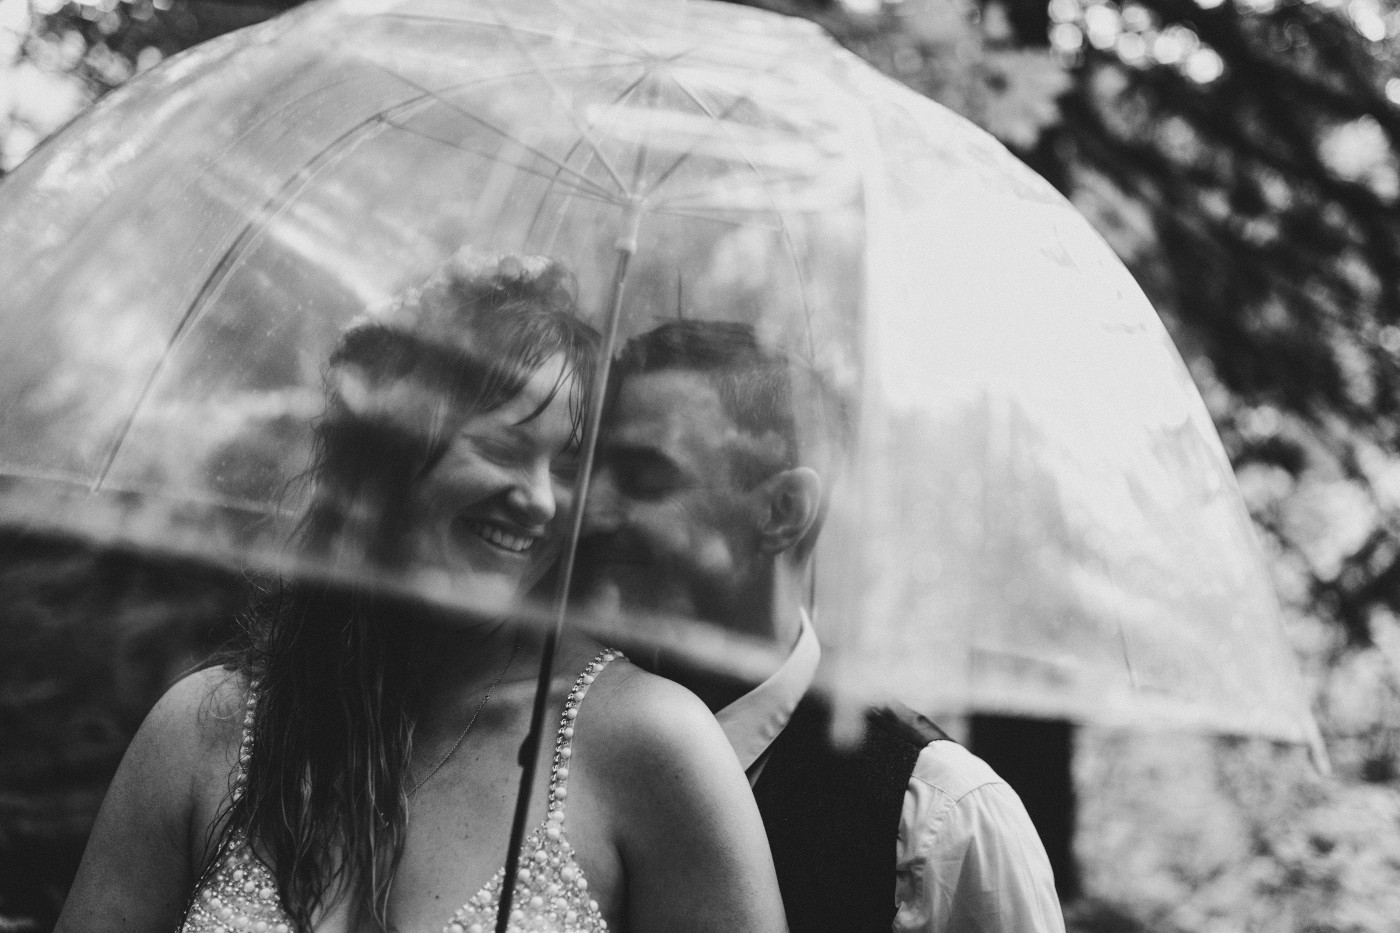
x: 245, y: 747
x: 564, y: 740
x: 234, y: 840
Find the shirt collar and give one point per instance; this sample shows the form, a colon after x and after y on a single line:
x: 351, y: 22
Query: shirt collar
x: 754, y: 720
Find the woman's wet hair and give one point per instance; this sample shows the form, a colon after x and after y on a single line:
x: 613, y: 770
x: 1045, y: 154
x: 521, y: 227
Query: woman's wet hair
x: 400, y: 383
x: 337, y: 666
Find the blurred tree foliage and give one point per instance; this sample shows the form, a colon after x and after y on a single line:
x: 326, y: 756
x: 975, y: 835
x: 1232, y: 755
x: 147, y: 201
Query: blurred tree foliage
x: 91, y: 639
x: 1241, y: 156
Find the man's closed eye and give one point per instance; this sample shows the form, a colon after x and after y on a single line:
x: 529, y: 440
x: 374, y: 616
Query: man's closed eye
x: 648, y: 476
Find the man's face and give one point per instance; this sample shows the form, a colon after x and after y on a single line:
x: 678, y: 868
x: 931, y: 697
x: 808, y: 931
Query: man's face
x: 667, y: 529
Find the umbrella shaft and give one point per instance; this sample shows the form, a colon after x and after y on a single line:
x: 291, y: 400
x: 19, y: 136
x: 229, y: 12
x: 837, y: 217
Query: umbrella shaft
x: 529, y: 750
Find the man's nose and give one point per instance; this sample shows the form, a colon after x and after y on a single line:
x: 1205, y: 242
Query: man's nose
x: 533, y: 494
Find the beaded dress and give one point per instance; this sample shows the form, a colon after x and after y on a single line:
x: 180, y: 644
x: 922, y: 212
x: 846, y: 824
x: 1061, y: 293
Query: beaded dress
x: 551, y: 894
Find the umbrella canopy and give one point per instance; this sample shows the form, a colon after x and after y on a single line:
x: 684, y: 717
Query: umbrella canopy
x: 1034, y: 513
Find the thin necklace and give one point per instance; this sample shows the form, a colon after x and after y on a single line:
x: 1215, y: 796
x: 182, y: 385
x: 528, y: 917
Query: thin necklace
x: 470, y: 722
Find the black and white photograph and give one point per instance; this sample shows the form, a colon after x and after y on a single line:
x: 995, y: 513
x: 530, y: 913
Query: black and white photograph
x: 666, y: 466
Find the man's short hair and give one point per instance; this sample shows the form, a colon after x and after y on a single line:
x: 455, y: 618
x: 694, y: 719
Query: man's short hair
x: 782, y: 405
x: 754, y: 385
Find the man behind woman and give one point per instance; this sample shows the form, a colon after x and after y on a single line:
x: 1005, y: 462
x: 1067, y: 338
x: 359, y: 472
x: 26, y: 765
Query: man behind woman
x: 714, y: 470
x: 355, y: 766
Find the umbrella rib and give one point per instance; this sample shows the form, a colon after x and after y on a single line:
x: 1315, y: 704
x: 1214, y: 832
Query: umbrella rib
x: 504, y: 27
x: 640, y: 163
x: 781, y: 219
x: 583, y: 180
x: 583, y: 130
x: 638, y: 53
x: 255, y: 125
x: 588, y: 190
x: 62, y: 478
x: 624, y: 94
x: 219, y: 275
x: 717, y: 215
x: 621, y: 27
x: 695, y: 199
x: 709, y: 112
x: 325, y: 158
x: 1127, y: 654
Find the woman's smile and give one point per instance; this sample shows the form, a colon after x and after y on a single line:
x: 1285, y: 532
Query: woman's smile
x: 498, y: 536
x: 490, y: 510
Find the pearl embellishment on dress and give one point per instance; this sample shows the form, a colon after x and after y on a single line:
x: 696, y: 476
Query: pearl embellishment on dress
x: 240, y: 895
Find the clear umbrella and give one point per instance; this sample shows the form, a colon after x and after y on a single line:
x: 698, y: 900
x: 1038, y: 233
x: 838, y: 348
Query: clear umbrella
x: 1039, y: 517
x: 1034, y: 513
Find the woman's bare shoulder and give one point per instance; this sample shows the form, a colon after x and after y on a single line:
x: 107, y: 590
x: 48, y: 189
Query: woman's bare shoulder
x: 199, y: 713
x: 191, y: 737
x: 679, y: 809
x: 150, y: 833
x: 651, y: 720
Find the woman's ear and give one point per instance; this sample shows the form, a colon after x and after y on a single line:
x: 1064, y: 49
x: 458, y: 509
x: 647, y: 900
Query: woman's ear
x: 792, y: 501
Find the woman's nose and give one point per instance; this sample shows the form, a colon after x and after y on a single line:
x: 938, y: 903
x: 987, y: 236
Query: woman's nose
x: 533, y: 493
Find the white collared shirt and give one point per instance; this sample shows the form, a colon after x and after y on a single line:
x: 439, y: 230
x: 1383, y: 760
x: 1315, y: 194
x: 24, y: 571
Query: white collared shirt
x: 967, y: 858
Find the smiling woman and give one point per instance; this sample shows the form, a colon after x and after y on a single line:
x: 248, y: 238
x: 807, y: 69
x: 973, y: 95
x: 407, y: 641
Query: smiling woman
x: 324, y: 779
x: 493, y: 502
x: 453, y: 426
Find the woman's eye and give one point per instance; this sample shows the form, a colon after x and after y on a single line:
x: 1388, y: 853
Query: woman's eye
x: 500, y: 453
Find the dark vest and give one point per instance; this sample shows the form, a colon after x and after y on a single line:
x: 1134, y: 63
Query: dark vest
x: 832, y: 816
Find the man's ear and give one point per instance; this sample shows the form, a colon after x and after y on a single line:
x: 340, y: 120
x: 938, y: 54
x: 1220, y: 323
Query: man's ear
x: 792, y: 501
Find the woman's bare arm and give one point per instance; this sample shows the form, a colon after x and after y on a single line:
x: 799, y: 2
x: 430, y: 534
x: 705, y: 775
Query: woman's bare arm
x: 689, y: 832
x: 137, y: 869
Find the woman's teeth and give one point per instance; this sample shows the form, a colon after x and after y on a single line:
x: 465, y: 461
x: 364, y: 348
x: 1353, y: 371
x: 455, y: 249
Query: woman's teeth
x: 501, y: 538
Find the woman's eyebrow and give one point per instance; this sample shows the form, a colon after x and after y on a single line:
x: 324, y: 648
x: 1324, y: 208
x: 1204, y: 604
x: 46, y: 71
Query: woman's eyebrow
x: 514, y: 434
x: 548, y: 398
